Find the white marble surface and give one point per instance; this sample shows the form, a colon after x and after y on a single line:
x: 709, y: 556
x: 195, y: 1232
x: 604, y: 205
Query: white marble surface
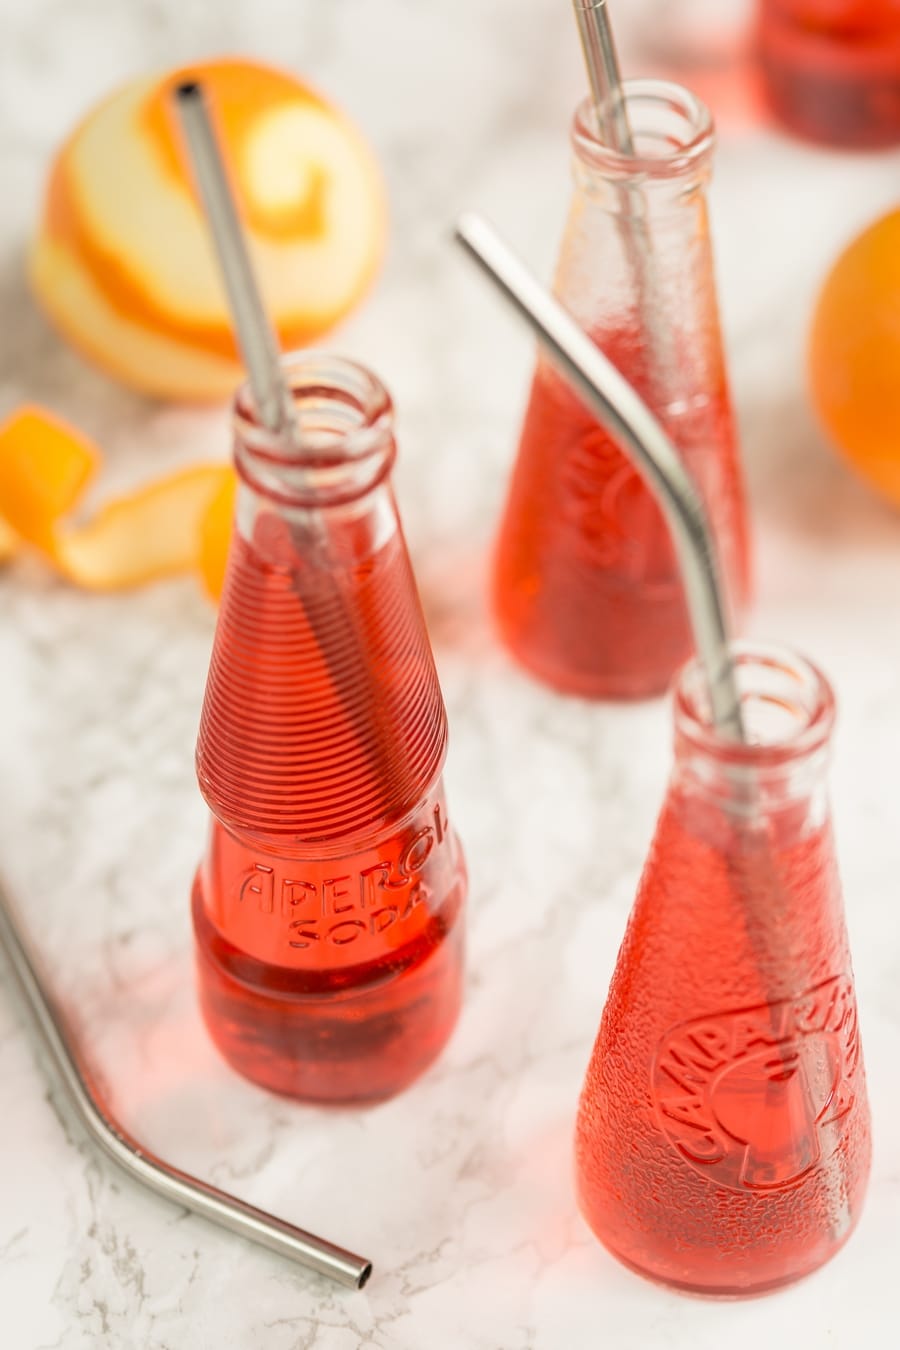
x: 460, y: 1189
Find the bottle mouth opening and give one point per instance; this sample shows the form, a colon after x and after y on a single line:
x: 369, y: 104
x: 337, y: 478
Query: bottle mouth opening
x: 672, y: 130
x: 787, y: 703
x: 341, y: 442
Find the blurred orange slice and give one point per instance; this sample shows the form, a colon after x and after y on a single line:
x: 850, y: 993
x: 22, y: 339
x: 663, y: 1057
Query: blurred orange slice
x: 45, y: 466
x: 176, y: 524
x: 122, y: 261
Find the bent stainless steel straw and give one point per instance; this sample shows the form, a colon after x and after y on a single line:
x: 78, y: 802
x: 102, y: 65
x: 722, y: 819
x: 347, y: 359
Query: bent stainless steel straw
x: 135, y: 1158
x: 621, y: 410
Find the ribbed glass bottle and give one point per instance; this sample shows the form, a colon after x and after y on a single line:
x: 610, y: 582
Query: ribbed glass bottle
x: 328, y: 910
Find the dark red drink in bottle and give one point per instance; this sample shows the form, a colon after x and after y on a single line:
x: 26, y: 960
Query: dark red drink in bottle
x: 586, y: 587
x: 831, y: 68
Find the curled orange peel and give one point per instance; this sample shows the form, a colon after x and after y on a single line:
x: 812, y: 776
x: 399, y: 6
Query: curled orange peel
x: 176, y: 524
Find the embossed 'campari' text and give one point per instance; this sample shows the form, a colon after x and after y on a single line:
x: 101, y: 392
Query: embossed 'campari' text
x: 744, y: 1095
x: 723, y: 1138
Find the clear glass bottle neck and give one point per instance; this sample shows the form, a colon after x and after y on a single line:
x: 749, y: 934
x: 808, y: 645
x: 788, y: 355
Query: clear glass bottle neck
x: 673, y: 142
x: 340, y: 447
x: 635, y: 268
x: 323, y: 484
x: 788, y: 709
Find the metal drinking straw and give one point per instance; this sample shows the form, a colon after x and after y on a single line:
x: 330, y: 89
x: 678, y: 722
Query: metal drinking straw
x: 276, y: 410
x: 602, y: 64
x: 618, y: 406
x: 613, y: 124
x: 621, y: 410
x: 257, y: 338
x: 140, y: 1162
x: 261, y: 352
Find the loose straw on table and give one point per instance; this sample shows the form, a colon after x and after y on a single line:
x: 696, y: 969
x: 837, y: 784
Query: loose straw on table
x: 276, y: 410
x: 140, y: 1162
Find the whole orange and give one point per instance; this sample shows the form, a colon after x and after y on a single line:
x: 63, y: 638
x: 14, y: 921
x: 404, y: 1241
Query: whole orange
x: 854, y: 355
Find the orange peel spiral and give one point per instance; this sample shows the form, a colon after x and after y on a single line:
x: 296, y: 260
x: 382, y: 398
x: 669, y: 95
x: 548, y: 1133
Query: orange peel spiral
x: 178, y: 523
x: 123, y: 263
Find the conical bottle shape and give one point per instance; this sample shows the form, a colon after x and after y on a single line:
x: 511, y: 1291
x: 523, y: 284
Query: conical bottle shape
x: 587, y: 591
x: 328, y: 908
x: 723, y: 1131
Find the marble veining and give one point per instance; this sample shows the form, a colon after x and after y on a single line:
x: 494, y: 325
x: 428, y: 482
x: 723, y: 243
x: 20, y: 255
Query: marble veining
x: 460, y: 1189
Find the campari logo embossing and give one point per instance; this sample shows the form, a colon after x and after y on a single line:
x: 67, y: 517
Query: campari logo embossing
x: 752, y: 1098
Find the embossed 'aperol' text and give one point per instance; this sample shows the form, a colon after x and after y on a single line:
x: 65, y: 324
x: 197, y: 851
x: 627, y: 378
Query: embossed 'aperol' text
x: 353, y: 902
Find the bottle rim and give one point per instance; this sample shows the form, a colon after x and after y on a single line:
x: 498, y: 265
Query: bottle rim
x: 344, y: 443
x: 683, y: 134
x: 779, y: 687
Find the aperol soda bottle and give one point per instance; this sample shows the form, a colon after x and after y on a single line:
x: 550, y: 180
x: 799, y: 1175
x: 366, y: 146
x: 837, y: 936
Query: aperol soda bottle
x: 722, y: 1141
x: 328, y: 909
x: 586, y: 587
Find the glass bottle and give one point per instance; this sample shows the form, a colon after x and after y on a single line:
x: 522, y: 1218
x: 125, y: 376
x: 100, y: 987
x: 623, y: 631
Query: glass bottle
x: 722, y: 1142
x: 831, y: 68
x: 586, y: 588
x: 328, y: 909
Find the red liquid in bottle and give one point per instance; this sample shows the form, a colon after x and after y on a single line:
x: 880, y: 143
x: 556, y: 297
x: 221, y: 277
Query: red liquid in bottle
x: 587, y: 591
x: 328, y: 909
x: 832, y: 68
x: 723, y: 1132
